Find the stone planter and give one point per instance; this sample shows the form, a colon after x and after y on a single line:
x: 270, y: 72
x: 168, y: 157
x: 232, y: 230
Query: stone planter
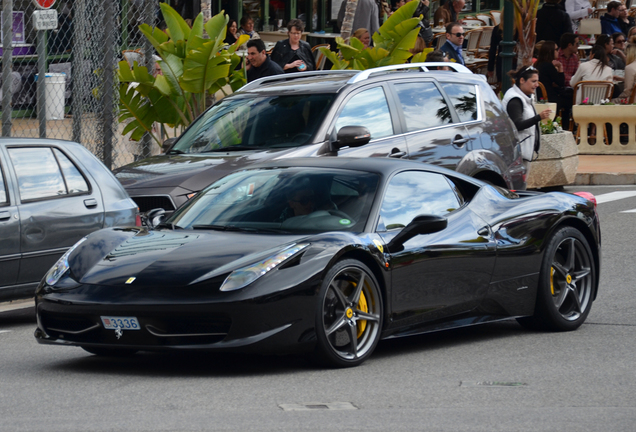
x: 600, y: 115
x: 557, y: 162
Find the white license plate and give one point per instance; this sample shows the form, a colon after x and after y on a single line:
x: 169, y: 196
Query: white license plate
x: 124, y: 323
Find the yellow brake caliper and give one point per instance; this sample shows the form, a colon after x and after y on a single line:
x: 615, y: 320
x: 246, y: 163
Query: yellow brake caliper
x: 552, y: 280
x: 362, y: 306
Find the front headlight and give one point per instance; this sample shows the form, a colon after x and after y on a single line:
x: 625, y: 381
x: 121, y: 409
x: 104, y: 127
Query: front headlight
x: 242, y: 277
x: 61, y: 266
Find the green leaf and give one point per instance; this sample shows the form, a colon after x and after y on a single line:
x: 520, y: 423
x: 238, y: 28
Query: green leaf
x: 177, y: 27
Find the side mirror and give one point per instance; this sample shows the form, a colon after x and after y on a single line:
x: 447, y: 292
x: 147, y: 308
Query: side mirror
x: 154, y: 217
x: 351, y: 136
x: 167, y: 144
x: 423, y: 224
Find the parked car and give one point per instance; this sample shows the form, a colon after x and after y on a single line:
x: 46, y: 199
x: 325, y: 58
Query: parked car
x: 453, y: 120
x: 326, y: 254
x: 52, y: 193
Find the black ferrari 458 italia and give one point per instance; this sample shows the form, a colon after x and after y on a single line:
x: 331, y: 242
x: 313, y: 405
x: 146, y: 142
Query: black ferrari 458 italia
x: 328, y: 255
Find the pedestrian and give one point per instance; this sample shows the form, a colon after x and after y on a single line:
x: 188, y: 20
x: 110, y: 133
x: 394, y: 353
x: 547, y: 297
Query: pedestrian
x: 259, y: 64
x: 518, y: 103
x: 577, y: 10
x: 609, y: 20
x: 294, y: 54
x: 454, y: 41
x: 552, y: 22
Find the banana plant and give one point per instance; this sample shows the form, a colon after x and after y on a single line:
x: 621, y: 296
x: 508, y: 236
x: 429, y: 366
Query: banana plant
x: 525, y: 22
x: 195, y: 63
x: 391, y: 44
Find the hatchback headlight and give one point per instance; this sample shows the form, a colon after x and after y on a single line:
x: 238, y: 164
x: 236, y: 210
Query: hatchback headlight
x: 61, y: 266
x: 244, y: 276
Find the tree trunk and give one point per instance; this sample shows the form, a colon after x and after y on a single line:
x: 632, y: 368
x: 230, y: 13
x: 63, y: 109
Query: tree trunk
x: 347, y: 22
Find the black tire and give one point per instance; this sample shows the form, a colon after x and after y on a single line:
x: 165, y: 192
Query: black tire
x: 348, y: 315
x: 567, y: 283
x: 110, y: 352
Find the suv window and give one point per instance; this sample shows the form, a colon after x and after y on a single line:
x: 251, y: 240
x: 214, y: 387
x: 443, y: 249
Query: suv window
x: 370, y: 109
x: 256, y: 122
x: 403, y: 199
x: 423, y: 105
x: 40, y: 176
x: 464, y: 99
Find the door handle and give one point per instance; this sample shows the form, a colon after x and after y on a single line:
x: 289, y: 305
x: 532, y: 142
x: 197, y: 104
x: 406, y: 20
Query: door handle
x: 90, y: 203
x: 4, y: 215
x: 461, y: 141
x: 396, y: 153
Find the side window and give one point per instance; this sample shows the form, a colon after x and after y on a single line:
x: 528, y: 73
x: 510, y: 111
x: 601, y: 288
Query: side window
x: 39, y: 174
x: 4, y: 196
x: 74, y: 180
x: 370, y: 109
x: 464, y: 99
x: 423, y: 105
x: 415, y: 193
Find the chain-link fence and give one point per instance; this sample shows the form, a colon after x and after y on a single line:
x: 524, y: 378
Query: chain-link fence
x: 79, y: 59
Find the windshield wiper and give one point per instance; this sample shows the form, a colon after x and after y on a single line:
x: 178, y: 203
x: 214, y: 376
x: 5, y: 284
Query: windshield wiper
x: 234, y: 148
x: 176, y: 152
x: 235, y: 228
x: 168, y: 225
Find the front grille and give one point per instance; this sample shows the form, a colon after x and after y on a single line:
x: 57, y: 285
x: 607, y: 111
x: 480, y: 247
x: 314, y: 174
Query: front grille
x: 157, y: 329
x: 147, y: 203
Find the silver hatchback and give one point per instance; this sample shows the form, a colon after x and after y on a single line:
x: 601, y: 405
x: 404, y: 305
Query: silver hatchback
x: 52, y: 193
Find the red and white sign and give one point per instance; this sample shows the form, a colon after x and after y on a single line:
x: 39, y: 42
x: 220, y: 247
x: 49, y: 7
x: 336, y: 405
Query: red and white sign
x: 44, y: 4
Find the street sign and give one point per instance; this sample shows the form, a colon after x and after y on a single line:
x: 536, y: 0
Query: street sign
x: 44, y: 4
x: 45, y: 19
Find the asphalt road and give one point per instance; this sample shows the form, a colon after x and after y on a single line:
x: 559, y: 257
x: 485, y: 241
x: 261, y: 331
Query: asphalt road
x: 494, y: 377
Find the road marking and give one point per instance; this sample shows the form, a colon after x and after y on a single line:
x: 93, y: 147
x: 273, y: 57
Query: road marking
x: 613, y: 196
x: 336, y: 406
x: 629, y: 211
x: 5, y: 331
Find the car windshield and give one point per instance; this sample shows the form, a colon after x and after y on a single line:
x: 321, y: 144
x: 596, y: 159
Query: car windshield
x: 244, y: 123
x: 282, y: 200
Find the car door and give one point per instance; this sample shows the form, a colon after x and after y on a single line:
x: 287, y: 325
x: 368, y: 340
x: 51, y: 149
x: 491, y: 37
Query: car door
x: 441, y: 274
x: 370, y: 107
x: 9, y: 228
x: 58, y: 206
x: 432, y: 128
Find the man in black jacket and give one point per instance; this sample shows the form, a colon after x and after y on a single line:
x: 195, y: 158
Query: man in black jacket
x: 454, y: 41
x: 259, y: 64
x: 552, y: 22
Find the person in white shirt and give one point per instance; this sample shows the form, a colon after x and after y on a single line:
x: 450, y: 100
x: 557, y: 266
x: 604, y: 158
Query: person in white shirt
x: 596, y: 69
x: 578, y: 9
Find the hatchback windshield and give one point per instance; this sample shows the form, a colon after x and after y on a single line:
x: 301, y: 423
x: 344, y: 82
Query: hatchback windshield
x: 244, y: 123
x: 282, y: 200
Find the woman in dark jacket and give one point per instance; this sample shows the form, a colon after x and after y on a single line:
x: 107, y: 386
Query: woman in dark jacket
x: 294, y: 54
x: 553, y: 79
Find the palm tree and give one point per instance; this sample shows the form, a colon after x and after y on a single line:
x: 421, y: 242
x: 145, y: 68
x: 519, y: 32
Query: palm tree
x: 525, y: 22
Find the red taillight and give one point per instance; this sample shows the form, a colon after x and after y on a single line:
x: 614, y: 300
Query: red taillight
x: 138, y: 218
x: 588, y: 196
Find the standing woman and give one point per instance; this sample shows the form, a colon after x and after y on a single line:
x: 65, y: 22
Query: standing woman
x: 294, y: 54
x: 578, y: 9
x: 518, y: 103
x: 553, y: 79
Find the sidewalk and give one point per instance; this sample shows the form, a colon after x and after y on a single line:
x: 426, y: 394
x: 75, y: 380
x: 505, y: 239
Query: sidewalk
x: 606, y: 170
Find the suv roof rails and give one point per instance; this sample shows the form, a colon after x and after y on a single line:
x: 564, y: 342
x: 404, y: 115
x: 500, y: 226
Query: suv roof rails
x: 359, y: 75
x: 291, y: 76
x: 423, y: 67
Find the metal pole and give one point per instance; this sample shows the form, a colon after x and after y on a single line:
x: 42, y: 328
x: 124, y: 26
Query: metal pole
x: 507, y: 45
x: 78, y: 67
x: 109, y: 71
x: 148, y: 18
x: 7, y: 65
x: 41, y: 89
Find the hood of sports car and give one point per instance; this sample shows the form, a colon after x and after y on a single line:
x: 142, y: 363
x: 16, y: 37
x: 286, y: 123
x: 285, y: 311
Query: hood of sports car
x: 195, y: 171
x: 166, y: 257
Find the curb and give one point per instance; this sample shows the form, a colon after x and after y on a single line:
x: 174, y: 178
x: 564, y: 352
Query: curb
x: 605, y: 179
